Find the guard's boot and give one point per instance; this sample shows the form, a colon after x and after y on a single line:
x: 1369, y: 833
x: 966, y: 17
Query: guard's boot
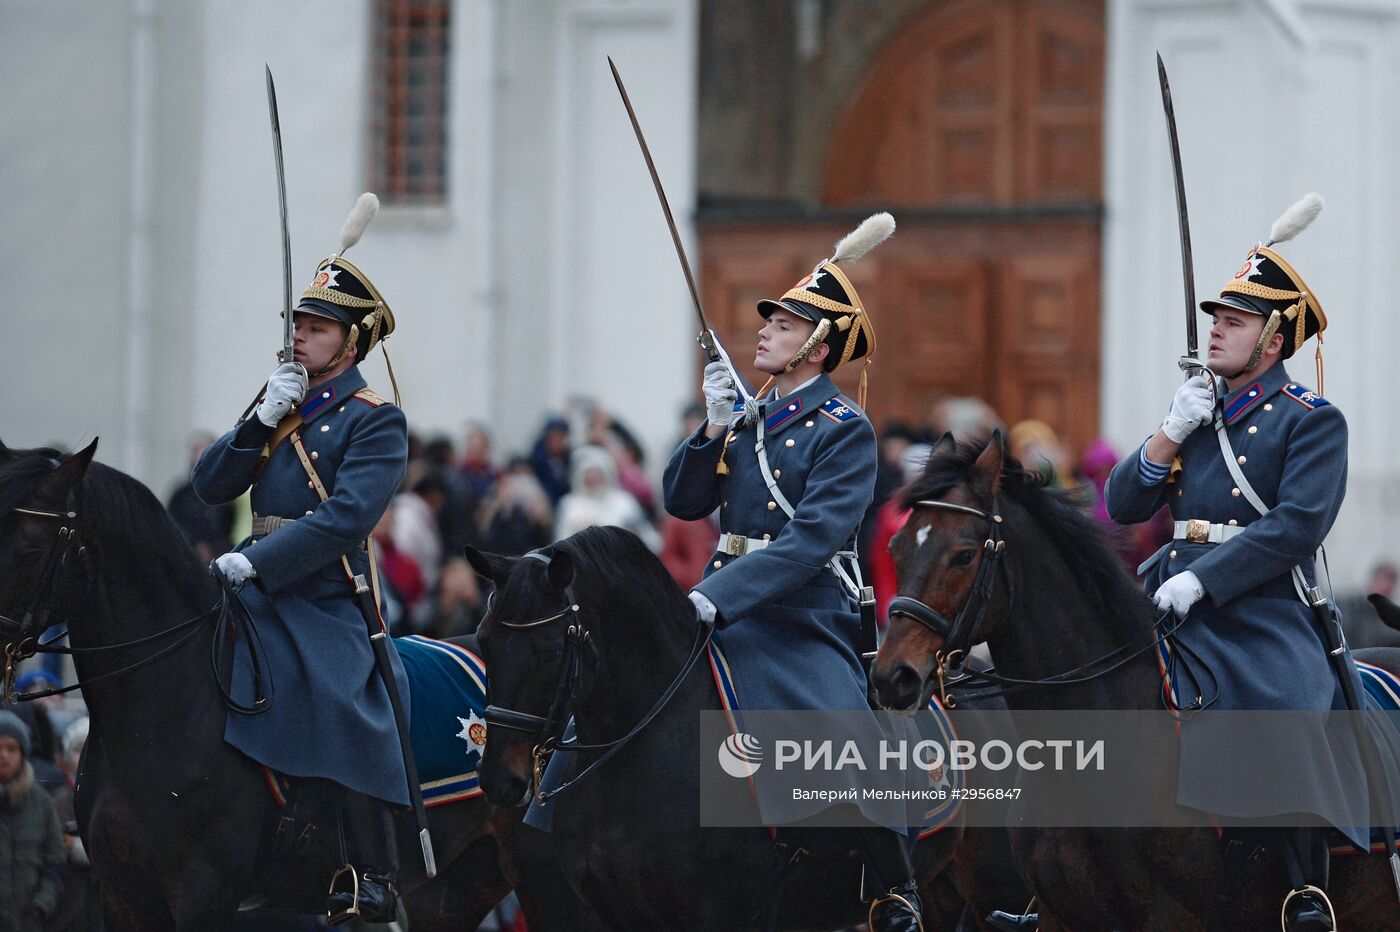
x: 1308, y: 910
x: 900, y: 910
x: 1012, y: 922
x: 370, y: 897
x: 367, y: 894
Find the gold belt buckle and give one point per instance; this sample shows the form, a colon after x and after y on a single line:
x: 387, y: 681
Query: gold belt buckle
x: 738, y: 545
x: 1198, y: 531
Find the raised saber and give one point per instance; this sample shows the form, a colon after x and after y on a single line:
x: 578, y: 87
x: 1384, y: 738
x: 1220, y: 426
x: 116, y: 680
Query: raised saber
x: 713, y: 351
x: 1188, y: 363
x: 288, y: 331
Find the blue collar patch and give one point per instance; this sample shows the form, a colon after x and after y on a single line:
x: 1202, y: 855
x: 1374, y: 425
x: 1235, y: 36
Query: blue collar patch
x: 1243, y: 401
x: 839, y: 410
x: 1304, y: 396
x: 320, y: 398
x: 785, y: 413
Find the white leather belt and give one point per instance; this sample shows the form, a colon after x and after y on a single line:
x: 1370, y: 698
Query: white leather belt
x: 736, y: 545
x: 1198, y: 531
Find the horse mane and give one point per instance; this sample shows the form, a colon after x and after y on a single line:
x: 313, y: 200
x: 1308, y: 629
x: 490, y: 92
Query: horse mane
x: 1081, y: 541
x: 615, y: 561
x: 117, y: 514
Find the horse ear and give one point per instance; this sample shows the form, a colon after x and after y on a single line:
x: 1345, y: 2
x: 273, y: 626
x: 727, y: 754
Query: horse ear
x: 492, y: 566
x: 69, y: 472
x: 1388, y: 611
x: 986, y: 471
x: 946, y: 445
x: 561, y: 569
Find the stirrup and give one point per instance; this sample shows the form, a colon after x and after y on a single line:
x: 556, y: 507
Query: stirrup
x: 1300, y: 891
x: 353, y: 911
x: 891, y: 897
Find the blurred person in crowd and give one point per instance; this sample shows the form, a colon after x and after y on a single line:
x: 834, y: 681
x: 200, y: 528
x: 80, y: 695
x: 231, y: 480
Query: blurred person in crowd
x: 415, y: 528
x: 401, y: 580
x: 79, y: 909
x: 686, y: 545
x: 44, y: 745
x: 518, y: 516
x: 474, y: 480
x: 550, y: 459
x: 31, y: 841
x: 1362, y: 625
x: 456, y: 519
x: 1037, y: 447
x: 888, y: 478
x: 207, y: 528
x: 1135, y: 543
x: 597, y: 500
x: 457, y: 604
x: 969, y: 419
x: 55, y: 707
x: 417, y: 466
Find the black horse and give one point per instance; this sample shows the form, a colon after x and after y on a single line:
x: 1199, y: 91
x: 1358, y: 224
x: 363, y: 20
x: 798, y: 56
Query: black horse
x: 628, y: 834
x: 1060, y: 602
x: 176, y: 821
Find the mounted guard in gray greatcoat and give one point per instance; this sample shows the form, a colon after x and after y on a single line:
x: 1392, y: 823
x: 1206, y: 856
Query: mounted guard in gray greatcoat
x: 323, y: 456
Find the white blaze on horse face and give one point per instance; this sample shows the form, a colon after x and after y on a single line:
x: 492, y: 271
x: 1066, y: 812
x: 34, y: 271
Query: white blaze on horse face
x: 922, y: 534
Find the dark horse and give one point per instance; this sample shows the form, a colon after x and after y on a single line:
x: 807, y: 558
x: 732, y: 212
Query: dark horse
x: 1061, y: 601
x: 176, y: 821
x: 628, y: 835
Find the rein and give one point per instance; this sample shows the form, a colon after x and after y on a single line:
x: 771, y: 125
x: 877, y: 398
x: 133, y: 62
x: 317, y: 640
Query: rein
x: 549, y: 728
x: 960, y: 634
x: 35, y: 621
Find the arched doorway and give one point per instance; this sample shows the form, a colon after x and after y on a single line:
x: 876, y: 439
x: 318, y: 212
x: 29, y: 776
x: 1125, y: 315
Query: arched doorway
x: 979, y: 125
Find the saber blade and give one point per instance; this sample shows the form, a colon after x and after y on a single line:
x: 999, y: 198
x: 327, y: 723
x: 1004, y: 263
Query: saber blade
x: 706, y: 335
x: 288, y: 335
x: 1189, y: 362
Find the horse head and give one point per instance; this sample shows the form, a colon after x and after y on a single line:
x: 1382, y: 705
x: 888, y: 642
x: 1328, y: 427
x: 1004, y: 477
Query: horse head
x: 947, y: 558
x: 540, y: 663
x: 39, y: 514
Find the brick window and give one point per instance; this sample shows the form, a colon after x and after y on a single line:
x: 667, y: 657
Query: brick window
x: 408, y: 159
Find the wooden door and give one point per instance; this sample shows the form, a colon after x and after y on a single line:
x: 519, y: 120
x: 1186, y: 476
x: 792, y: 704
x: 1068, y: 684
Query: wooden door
x: 979, y: 128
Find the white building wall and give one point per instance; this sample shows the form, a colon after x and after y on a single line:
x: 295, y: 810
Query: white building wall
x: 140, y: 248
x: 1273, y: 98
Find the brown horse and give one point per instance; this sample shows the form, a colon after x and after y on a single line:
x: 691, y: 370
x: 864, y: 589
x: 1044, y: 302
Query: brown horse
x: 1060, y: 601
x: 176, y: 821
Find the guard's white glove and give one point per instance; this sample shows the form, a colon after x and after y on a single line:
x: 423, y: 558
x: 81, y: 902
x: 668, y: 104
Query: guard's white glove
x: 235, y: 568
x: 720, y: 395
x: 1193, y: 406
x: 704, y: 608
x: 285, y: 387
x: 1179, y: 593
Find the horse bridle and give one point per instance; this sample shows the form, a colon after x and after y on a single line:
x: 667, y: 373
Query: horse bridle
x: 21, y: 637
x: 965, y: 629
x: 549, y: 729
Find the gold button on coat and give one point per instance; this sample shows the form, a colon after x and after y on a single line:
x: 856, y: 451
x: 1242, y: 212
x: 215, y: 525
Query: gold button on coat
x: 777, y: 474
x: 315, y: 454
x: 719, y: 564
x: 791, y: 442
x: 1235, y: 492
x: 325, y: 427
x: 1172, y: 555
x: 1269, y: 406
x: 1254, y: 429
x: 772, y: 505
x: 1242, y: 460
x: 1232, y: 522
x: 810, y: 424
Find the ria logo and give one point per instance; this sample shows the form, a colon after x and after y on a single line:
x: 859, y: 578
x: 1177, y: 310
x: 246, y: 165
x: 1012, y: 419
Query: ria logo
x: 740, y: 755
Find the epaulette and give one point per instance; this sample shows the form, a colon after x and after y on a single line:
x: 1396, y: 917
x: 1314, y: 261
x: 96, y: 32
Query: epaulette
x: 370, y: 397
x: 1305, y: 396
x: 839, y: 409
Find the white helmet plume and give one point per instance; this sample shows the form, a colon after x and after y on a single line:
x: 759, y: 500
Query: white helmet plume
x: 1295, y: 219
x: 366, y: 206
x: 873, y: 231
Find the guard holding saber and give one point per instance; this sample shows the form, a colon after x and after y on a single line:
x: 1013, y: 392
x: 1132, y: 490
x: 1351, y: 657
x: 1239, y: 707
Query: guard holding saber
x: 1263, y: 470
x: 323, y: 456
